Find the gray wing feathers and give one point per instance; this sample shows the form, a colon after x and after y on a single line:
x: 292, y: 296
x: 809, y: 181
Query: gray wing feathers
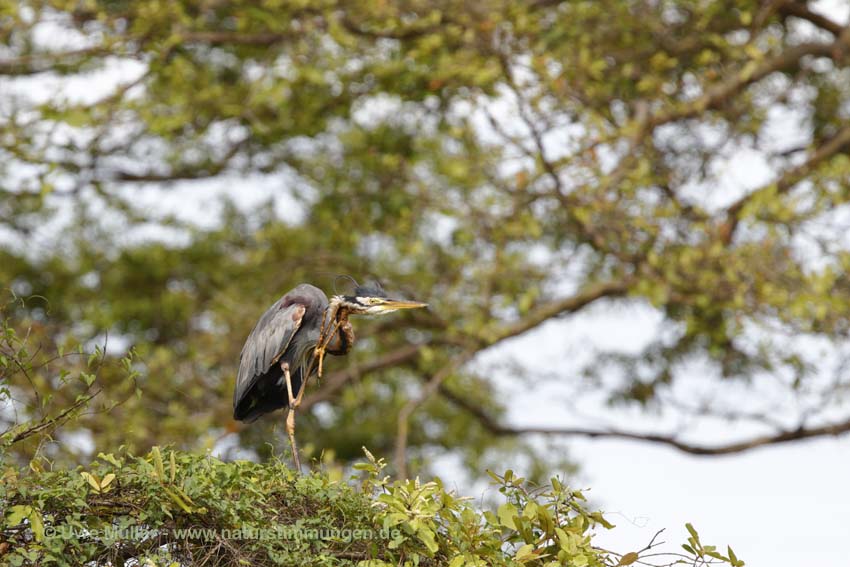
x: 266, y: 343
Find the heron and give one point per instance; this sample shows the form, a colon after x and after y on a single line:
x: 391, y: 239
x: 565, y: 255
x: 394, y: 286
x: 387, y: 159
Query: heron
x: 288, y: 344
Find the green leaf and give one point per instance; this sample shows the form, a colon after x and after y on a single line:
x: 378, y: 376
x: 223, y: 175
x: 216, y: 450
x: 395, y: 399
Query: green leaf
x: 565, y: 541
x: 426, y: 536
x: 109, y: 458
x: 15, y: 515
x: 92, y: 480
x: 36, y: 524
x: 734, y: 558
x: 506, y: 514
x: 107, y: 480
x: 177, y: 500
x: 600, y: 519
x: 159, y: 468
x: 524, y: 552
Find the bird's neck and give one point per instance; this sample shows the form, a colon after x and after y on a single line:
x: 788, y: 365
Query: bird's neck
x: 336, y: 309
x: 337, y: 318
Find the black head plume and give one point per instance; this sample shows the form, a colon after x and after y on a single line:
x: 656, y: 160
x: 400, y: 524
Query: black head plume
x: 339, y: 277
x: 371, y: 289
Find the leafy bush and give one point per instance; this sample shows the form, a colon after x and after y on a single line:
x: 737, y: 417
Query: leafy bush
x: 172, y: 508
x: 47, y: 383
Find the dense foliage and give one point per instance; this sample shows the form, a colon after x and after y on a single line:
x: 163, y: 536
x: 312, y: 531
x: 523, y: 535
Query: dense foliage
x: 508, y: 162
x: 172, y: 509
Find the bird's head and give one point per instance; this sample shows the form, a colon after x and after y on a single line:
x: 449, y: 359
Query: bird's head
x: 372, y: 300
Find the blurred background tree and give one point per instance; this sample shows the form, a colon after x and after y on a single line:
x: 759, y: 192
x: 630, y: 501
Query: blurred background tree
x: 510, y: 163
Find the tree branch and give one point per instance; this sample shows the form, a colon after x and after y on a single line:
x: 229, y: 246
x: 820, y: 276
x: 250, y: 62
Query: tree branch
x: 354, y: 28
x: 334, y: 381
x: 404, y: 415
x: 217, y: 38
x: 786, y: 182
x: 185, y: 172
x: 716, y: 95
x: 51, y: 422
x: 561, y: 306
x: 35, y: 63
x: 499, y: 429
x: 532, y: 320
x: 803, y: 12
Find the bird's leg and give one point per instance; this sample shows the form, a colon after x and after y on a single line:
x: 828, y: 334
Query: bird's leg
x: 319, y: 350
x: 290, y: 417
x: 297, y: 401
x: 329, y: 319
x: 290, y: 430
x: 318, y: 357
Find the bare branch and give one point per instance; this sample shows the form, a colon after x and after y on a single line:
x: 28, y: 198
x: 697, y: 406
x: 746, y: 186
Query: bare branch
x: 334, y: 381
x: 259, y: 39
x: 186, y: 172
x: 802, y: 11
x: 531, y: 123
x: 560, y: 306
x: 499, y: 429
x: 404, y: 415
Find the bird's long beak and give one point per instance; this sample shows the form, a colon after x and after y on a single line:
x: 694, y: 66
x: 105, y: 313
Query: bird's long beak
x: 394, y: 304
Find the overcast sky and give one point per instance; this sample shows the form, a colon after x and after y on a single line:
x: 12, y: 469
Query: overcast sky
x: 779, y: 506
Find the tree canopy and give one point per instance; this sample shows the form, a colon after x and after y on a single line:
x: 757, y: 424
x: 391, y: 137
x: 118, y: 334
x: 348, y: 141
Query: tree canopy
x: 510, y: 163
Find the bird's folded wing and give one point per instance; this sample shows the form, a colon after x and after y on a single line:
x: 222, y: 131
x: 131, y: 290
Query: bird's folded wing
x: 266, y: 343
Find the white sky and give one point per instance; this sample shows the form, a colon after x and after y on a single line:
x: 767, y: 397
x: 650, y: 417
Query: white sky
x: 779, y: 506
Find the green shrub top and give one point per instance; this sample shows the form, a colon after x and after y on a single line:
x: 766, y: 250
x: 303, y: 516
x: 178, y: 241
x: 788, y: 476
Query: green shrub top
x: 171, y: 508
